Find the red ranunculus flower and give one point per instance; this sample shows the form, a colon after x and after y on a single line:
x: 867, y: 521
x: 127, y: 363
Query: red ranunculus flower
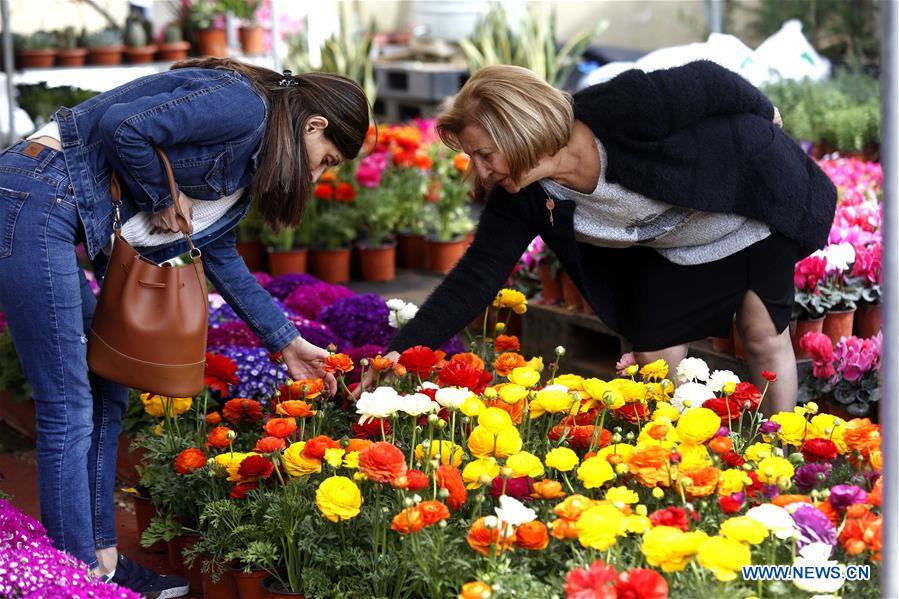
x: 324, y: 191
x: 725, y: 407
x: 189, y: 460
x: 281, y: 427
x: 345, y: 192
x: 270, y: 445
x: 733, y: 459
x: 220, y: 373
x: 236, y: 410
x: 819, y: 450
x: 240, y: 489
x: 382, y: 462
x: 756, y: 486
x: 213, y: 419
x: 420, y: 360
x: 416, y: 480
x: 255, y: 466
x: 634, y: 412
x: 746, y: 392
x: 670, y: 516
x: 449, y: 478
x: 769, y: 376
x: 506, y: 343
x: 316, y: 446
x: 595, y: 582
x: 371, y: 429
x: 218, y: 437
x: 521, y: 488
x: 641, y: 583
x: 458, y: 374
x: 730, y: 504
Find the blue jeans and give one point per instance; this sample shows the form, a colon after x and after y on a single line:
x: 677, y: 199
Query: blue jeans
x: 49, y: 308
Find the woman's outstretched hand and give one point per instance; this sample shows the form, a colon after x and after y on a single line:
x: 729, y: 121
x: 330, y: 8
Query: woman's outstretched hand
x: 306, y: 361
x: 369, y: 376
x: 777, y: 120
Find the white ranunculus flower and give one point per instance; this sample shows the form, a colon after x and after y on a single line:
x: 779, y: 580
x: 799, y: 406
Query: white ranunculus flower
x: 556, y: 387
x: 383, y: 402
x: 400, y: 312
x: 452, y: 397
x: 840, y: 256
x: 395, y: 304
x: 776, y: 518
x: 417, y: 404
x: 720, y: 377
x: 512, y: 512
x: 817, y: 555
x: 692, y: 370
x: 690, y: 396
x: 407, y: 313
x: 428, y: 385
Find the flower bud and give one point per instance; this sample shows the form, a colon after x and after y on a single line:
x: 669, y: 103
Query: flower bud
x: 441, y: 424
x: 442, y: 524
x: 674, y: 457
x: 641, y: 510
x: 408, y: 502
x: 811, y: 408
x: 729, y: 387
x: 416, y: 498
x: 686, y: 481
x: 466, y: 420
x: 485, y: 479
x: 560, y: 351
x: 630, y: 436
x: 657, y: 492
x: 433, y: 418
x: 443, y: 493
x: 231, y: 435
x: 506, y: 472
x: 616, y: 438
x: 364, y: 362
x: 784, y: 483
x: 631, y: 370
x: 796, y: 458
x: 500, y: 327
x: 425, y: 443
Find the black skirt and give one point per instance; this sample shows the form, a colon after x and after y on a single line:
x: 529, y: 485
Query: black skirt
x: 665, y: 304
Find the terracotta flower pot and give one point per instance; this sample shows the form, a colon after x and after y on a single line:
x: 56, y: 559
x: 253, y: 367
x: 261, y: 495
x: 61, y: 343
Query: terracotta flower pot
x: 270, y: 585
x: 378, y: 264
x: 212, y: 42
x: 144, y: 511
x: 223, y: 589
x: 173, y: 51
x: 331, y: 266
x: 252, y: 40
x: 107, y: 55
x: 838, y: 325
x: 176, y: 560
x: 282, y: 263
x: 412, y: 251
x: 443, y: 255
x: 550, y: 288
x: 803, y: 327
x: 141, y: 55
x: 249, y: 585
x: 128, y: 460
x: 18, y: 414
x: 253, y: 255
x: 571, y: 295
x: 73, y: 57
x: 725, y: 345
x: 868, y: 320
x: 192, y: 572
x: 36, y: 59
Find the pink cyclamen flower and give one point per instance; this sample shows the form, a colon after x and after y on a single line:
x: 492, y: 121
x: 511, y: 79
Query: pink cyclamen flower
x: 819, y: 347
x: 809, y: 272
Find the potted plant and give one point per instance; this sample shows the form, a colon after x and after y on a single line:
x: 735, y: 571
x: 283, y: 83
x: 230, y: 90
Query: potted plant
x: 212, y: 39
x: 845, y: 378
x: 173, y: 45
x: 252, y: 35
x: 222, y: 530
x: 70, y: 53
x: 105, y: 46
x: 249, y: 243
x: 447, y: 213
x: 283, y: 255
x: 840, y: 297
x: 809, y: 303
x: 335, y: 231
x: 409, y: 186
x: 379, y: 215
x: 867, y: 277
x: 35, y: 51
x: 138, y: 48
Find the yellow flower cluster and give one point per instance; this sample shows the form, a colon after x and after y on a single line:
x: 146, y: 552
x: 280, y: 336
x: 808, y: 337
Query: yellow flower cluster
x: 297, y: 464
x: 450, y: 454
x: 671, y: 548
x: 338, y: 498
x: 157, y: 405
x: 512, y: 299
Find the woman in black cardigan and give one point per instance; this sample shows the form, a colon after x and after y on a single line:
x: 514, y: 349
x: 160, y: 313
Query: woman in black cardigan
x: 672, y: 198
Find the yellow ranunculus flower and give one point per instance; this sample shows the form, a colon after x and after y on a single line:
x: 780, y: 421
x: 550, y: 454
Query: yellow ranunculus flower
x: 535, y: 364
x: 665, y: 410
x: 351, y: 460
x: 476, y: 469
x: 524, y: 376
x: 621, y: 495
x: 670, y: 439
x: 631, y: 390
x: 604, y: 394
x: 792, y: 427
x: 230, y: 462
x: 511, y: 393
x: 561, y: 459
x: 572, y: 381
x: 733, y: 481
x: 512, y: 299
x: 758, y: 452
x: 637, y: 524
x: 599, y: 526
x: 495, y: 420
x: 338, y: 498
x: 524, y: 463
x: 156, y: 405
x: 297, y: 464
x: 698, y: 425
x: 744, y: 529
x: 508, y: 441
x: 774, y: 469
x: 472, y: 406
x: 825, y: 426
x: 553, y: 401
x: 729, y: 387
x: 724, y: 557
x: 693, y: 456
x: 670, y: 548
x: 660, y: 391
x: 595, y: 472
x: 334, y: 456
x: 481, y: 442
x: 655, y: 371
x: 450, y: 454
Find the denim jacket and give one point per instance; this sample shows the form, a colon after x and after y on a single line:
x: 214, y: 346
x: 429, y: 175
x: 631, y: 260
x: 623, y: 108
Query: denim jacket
x: 210, y: 123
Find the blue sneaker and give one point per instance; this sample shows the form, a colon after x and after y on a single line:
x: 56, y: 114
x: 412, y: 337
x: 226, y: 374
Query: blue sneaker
x: 148, y: 583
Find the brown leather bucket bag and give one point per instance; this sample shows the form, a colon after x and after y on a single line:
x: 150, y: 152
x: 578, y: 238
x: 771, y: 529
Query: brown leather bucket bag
x: 149, y: 328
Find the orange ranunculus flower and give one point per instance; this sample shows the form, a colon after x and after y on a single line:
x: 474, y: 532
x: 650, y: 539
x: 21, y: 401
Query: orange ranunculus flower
x: 875, y: 497
x: 481, y: 537
x: 315, y: 447
x: 189, y: 460
x: 872, y: 536
x: 422, y: 161
x: 237, y: 409
x: 704, y: 481
x: 357, y: 445
x: 469, y: 358
x: 218, y: 437
x: 449, y: 478
x: 721, y: 444
x: 505, y: 343
x: 295, y: 408
x: 548, y: 489
x: 328, y: 176
x: 532, y: 535
x: 380, y: 363
x: 270, y: 445
x: 507, y: 362
x: 461, y: 162
x: 305, y: 389
x: 281, y: 427
x: 338, y: 364
x: 400, y: 370
x: 826, y: 508
x: 324, y: 191
x: 573, y: 506
x: 382, y: 462
x: 213, y: 419
x: 658, y: 431
x: 860, y: 434
x: 345, y: 192
x: 408, y: 521
x: 859, y: 519
x: 785, y: 500
x: 475, y: 590
x: 649, y: 466
x: 433, y: 512
x: 516, y: 410
x: 875, y: 459
x: 563, y: 529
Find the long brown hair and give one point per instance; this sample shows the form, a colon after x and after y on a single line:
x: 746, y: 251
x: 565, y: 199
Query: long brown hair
x: 283, y: 182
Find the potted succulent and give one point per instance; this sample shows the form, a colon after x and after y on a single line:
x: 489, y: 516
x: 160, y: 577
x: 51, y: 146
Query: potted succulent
x: 252, y: 35
x: 35, y: 51
x: 203, y: 16
x: 138, y: 48
x: 173, y: 45
x: 70, y: 53
x: 105, y: 46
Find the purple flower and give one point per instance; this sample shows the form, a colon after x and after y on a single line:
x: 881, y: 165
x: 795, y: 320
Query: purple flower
x: 813, y: 526
x: 452, y: 347
x: 811, y: 475
x: 361, y: 320
x: 722, y: 432
x: 856, y: 357
x: 769, y: 427
x: 520, y: 488
x: 770, y: 491
x: 17, y: 528
x: 263, y: 278
x: 231, y: 334
x: 842, y: 496
x: 320, y: 335
x: 280, y: 287
x: 309, y: 300
x: 258, y: 375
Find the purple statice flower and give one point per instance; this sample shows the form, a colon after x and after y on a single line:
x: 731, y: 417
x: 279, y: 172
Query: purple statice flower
x: 280, y: 287
x: 452, y: 347
x: 842, y: 496
x: 309, y: 300
x: 810, y: 476
x: 258, y: 375
x: 320, y: 335
x: 263, y: 278
x: 361, y: 320
x: 813, y: 526
x: 231, y: 334
x: 769, y: 427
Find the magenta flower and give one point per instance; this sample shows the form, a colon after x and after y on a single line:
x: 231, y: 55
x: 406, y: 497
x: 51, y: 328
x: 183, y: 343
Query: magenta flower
x: 625, y: 361
x: 842, y: 496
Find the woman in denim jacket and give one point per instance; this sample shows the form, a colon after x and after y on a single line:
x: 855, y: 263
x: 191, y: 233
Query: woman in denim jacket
x: 232, y: 131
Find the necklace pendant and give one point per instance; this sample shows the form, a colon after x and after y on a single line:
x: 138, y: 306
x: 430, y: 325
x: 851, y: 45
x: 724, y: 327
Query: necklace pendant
x: 550, y: 204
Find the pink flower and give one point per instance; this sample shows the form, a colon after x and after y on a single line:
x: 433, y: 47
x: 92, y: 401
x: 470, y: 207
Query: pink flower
x: 371, y: 169
x: 625, y: 361
x: 869, y: 263
x: 595, y: 582
x: 809, y: 272
x: 820, y: 349
x: 856, y: 357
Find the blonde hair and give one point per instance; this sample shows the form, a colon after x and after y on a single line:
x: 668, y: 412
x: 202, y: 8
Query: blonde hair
x: 525, y: 116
